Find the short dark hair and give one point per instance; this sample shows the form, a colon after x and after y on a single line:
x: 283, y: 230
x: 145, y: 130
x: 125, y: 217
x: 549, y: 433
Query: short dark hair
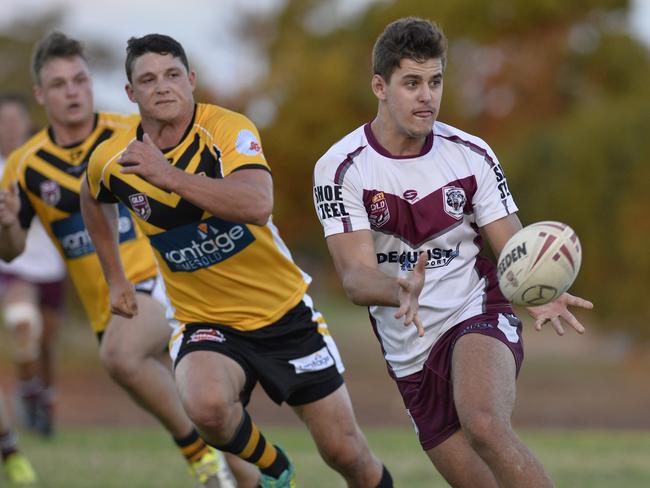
x: 55, y: 45
x: 410, y: 38
x: 153, y: 43
x: 15, y: 98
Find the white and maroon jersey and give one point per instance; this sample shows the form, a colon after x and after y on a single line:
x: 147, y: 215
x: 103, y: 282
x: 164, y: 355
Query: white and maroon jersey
x: 432, y: 203
x: 40, y: 261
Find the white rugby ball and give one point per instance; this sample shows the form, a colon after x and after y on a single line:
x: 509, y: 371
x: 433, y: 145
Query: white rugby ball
x: 539, y: 263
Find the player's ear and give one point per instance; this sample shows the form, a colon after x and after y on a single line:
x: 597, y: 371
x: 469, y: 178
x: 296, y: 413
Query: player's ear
x: 378, y: 85
x: 129, y: 92
x: 192, y: 77
x: 38, y: 94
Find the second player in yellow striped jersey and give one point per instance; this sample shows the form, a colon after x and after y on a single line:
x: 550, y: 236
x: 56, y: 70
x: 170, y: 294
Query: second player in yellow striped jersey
x: 202, y: 252
x: 49, y: 177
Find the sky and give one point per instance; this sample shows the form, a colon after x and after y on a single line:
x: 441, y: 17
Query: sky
x: 207, y: 31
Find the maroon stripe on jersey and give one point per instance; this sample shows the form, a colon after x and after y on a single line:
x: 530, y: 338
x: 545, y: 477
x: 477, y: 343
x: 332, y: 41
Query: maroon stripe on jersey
x: 347, y: 224
x: 374, y: 143
x: 418, y: 222
x: 493, y: 299
x: 339, y: 176
x: 373, y: 323
x: 475, y: 148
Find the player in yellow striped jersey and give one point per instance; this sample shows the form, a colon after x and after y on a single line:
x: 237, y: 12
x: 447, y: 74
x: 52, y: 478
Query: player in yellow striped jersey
x: 43, y: 178
x: 204, y: 200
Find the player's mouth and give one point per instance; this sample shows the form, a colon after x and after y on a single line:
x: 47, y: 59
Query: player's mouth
x: 424, y: 114
x: 165, y: 102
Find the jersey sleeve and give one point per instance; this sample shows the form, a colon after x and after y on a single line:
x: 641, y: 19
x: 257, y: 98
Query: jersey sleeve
x: 338, y: 195
x: 94, y: 177
x: 492, y: 199
x: 238, y: 143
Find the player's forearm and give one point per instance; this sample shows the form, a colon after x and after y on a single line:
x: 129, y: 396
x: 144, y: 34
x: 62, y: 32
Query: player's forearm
x: 12, y: 241
x: 234, y: 199
x: 101, y: 223
x: 367, y: 286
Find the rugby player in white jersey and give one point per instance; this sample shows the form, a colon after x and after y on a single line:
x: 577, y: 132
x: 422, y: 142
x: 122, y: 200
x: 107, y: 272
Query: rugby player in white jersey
x: 405, y: 202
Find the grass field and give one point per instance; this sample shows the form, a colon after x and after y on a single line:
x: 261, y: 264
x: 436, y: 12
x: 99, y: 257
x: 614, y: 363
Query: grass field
x: 145, y: 458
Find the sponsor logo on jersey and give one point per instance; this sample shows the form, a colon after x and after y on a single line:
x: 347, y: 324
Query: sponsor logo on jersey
x: 454, y: 201
x: 247, y: 143
x: 75, y: 240
x: 379, y: 213
x: 317, y: 361
x: 410, y: 195
x: 50, y: 192
x: 140, y: 205
x: 212, y: 335
x: 436, y: 257
x: 329, y: 201
x: 196, y: 246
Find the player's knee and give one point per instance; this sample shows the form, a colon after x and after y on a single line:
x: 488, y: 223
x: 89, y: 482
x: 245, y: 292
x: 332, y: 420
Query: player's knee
x: 484, y: 429
x: 119, y: 365
x: 211, y: 412
x: 347, y: 453
x: 25, y: 322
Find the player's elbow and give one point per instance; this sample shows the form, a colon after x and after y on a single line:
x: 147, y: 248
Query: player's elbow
x: 259, y: 213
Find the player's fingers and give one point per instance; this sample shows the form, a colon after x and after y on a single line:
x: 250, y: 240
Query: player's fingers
x: 401, y: 311
x: 147, y: 140
x: 418, y: 325
x: 573, y: 322
x: 539, y: 323
x: 421, y: 265
x: 579, y: 302
x: 557, y: 325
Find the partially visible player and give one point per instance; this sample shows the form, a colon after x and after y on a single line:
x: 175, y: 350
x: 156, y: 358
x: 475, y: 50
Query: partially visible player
x: 49, y: 170
x: 195, y: 178
x: 31, y: 290
x: 404, y: 201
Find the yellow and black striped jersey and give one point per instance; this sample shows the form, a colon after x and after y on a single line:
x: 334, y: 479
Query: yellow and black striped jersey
x: 49, y: 179
x: 215, y: 270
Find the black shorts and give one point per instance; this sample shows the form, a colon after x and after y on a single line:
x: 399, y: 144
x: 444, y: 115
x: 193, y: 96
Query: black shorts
x: 292, y: 359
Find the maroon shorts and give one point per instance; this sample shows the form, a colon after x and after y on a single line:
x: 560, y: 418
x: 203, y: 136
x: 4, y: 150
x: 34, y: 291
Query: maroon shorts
x: 428, y: 394
x: 50, y: 294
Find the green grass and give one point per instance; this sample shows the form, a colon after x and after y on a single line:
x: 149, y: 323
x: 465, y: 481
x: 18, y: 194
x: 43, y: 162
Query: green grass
x: 144, y: 458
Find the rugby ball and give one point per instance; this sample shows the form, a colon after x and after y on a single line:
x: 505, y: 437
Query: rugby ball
x: 539, y: 263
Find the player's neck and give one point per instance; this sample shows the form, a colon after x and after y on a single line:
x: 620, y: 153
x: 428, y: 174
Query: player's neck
x: 167, y: 133
x: 394, y: 141
x: 71, y: 134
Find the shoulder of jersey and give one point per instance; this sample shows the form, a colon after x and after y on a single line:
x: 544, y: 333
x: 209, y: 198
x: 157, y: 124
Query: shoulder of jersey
x: 213, y: 115
x: 449, y: 132
x: 348, y: 144
x: 118, y: 121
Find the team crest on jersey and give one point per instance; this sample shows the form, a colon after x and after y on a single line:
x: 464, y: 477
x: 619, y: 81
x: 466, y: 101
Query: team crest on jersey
x: 379, y: 213
x: 140, y: 205
x: 454, y: 201
x: 247, y: 143
x: 50, y: 192
x: 207, y: 335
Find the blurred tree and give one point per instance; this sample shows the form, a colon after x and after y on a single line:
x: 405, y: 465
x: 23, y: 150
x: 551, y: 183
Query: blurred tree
x: 558, y: 89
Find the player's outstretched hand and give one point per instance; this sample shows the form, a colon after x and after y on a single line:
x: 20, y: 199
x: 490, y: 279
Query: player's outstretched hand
x: 409, y: 293
x: 9, y: 205
x: 123, y: 301
x: 146, y: 160
x: 559, y: 308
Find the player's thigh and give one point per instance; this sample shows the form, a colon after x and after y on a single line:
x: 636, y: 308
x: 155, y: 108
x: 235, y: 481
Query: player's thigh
x: 19, y: 291
x: 483, y: 377
x: 331, y: 421
x: 146, y: 334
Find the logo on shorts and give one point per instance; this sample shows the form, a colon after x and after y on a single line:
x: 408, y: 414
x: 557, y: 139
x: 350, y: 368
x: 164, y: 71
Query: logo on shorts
x: 50, y: 192
x: 140, y: 205
x: 379, y: 213
x: 317, y: 361
x: 455, y: 200
x: 212, y: 335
